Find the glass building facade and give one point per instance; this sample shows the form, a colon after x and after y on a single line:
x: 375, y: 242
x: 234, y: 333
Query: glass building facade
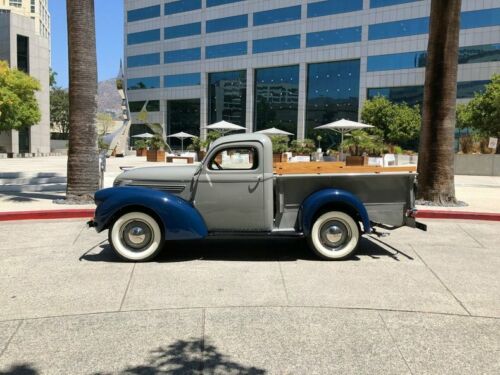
x: 290, y: 64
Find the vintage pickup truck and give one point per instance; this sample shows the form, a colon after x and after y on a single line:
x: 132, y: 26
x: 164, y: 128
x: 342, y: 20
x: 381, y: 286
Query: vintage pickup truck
x: 237, y: 191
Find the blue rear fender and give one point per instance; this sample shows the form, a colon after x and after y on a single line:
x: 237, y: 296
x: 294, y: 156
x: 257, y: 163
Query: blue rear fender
x: 335, y: 199
x: 180, y: 220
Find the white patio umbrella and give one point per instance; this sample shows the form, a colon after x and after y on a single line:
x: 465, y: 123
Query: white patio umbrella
x: 274, y: 131
x: 182, y: 136
x: 343, y: 127
x: 224, y: 127
x: 143, y: 135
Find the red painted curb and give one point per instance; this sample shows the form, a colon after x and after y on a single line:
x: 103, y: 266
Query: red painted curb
x: 460, y: 215
x: 48, y: 214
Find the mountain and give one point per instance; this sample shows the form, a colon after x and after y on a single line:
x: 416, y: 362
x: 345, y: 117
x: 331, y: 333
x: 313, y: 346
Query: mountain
x: 108, y: 99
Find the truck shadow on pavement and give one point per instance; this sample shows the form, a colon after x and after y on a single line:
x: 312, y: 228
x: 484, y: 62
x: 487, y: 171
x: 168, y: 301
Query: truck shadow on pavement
x: 20, y: 369
x: 250, y: 250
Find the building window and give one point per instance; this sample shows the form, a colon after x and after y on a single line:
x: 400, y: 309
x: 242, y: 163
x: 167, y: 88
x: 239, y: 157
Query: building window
x: 143, y: 83
x: 414, y: 95
x: 409, y: 60
x: 332, y: 94
x: 227, y: 97
x: 226, y: 50
x: 227, y: 23
x: 189, y: 54
x: 328, y: 7
x: 329, y: 37
x: 23, y: 53
x: 277, y: 98
x: 143, y: 60
x: 181, y: 6
x: 143, y: 13
x: 280, y: 43
x: 16, y: 3
x: 183, y: 116
x: 277, y: 15
x: 179, y: 80
x: 151, y: 106
x: 183, y: 30
x: 385, y: 3
x: 214, y: 3
x: 397, y: 29
x: 33, y: 6
x: 143, y: 37
x: 480, y: 18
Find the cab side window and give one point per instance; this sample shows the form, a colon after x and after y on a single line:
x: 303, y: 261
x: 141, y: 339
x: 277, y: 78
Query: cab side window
x: 235, y: 158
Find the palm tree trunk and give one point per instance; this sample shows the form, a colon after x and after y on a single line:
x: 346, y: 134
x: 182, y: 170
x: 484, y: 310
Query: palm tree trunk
x: 83, y: 159
x: 436, y: 151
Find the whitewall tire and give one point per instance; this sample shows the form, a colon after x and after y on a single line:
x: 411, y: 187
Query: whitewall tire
x: 334, y: 236
x: 136, y: 236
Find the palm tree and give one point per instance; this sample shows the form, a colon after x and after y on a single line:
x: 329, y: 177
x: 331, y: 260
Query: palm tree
x: 83, y: 159
x: 436, y: 151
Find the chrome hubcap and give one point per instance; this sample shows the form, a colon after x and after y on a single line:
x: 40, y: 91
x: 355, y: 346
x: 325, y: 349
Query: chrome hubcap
x: 136, y: 234
x: 335, y: 234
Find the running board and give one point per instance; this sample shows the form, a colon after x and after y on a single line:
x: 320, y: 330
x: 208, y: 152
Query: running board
x: 274, y: 234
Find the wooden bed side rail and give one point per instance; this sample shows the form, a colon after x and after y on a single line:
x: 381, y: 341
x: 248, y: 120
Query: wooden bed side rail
x: 334, y: 167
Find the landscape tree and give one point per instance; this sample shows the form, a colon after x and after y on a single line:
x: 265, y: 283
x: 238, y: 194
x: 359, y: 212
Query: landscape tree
x: 436, y: 149
x: 104, y: 122
x: 396, y: 124
x: 18, y: 103
x: 83, y: 162
x: 59, y: 111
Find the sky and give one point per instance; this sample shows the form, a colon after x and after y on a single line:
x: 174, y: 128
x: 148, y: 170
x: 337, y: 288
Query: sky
x: 109, y: 30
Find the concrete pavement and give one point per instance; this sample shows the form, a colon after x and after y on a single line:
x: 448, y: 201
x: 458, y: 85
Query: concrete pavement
x: 415, y: 303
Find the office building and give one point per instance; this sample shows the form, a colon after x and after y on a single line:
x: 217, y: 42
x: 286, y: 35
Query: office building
x: 292, y: 64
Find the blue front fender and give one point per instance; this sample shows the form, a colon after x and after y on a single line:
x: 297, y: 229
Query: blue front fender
x: 328, y: 197
x: 181, y: 221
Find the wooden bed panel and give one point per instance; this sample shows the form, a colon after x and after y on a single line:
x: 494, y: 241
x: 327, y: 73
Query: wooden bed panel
x: 334, y: 167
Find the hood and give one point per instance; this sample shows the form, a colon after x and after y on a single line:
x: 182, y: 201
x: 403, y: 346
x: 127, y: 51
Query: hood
x: 180, y: 173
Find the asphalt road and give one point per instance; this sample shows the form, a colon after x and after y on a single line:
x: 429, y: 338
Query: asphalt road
x: 420, y: 303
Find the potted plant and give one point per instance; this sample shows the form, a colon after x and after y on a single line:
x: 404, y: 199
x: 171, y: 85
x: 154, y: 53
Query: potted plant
x: 280, y: 146
x: 195, y: 146
x: 156, y: 150
x: 303, y: 147
x: 361, y: 144
x: 141, y: 147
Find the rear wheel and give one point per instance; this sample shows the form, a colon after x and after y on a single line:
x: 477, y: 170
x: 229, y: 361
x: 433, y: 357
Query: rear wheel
x: 136, y: 236
x: 334, y: 236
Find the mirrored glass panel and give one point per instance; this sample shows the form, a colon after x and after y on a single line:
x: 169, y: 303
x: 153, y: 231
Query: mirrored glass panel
x: 396, y: 61
x: 143, y: 60
x: 324, y: 8
x: 279, y: 43
x: 384, y: 3
x: 332, y: 94
x: 329, y: 37
x: 151, y: 106
x: 183, y: 116
x: 213, y: 3
x: 189, y: 54
x: 227, y: 23
x: 143, y: 37
x: 227, y: 97
x: 276, y: 98
x: 143, y: 83
x: 182, y: 30
x: 144, y: 13
x: 226, y: 50
x: 181, y: 6
x: 468, y: 89
x: 397, y: 29
x: 277, y: 15
x: 480, y: 18
x: 179, y: 80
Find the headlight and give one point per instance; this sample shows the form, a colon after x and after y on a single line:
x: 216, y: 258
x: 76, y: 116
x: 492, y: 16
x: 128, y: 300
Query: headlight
x: 121, y: 182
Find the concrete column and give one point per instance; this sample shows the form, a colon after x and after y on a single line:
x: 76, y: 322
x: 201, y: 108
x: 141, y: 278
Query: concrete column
x: 250, y: 100
x: 363, y: 62
x: 203, y: 106
x: 301, y: 120
x: 163, y: 117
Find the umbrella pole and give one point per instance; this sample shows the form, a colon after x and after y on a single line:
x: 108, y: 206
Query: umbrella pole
x: 182, y: 145
x: 341, y: 145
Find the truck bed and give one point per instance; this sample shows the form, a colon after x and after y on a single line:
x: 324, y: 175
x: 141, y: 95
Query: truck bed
x: 334, y: 167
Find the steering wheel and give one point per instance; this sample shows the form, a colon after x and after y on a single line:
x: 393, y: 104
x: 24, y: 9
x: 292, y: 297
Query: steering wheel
x: 217, y: 165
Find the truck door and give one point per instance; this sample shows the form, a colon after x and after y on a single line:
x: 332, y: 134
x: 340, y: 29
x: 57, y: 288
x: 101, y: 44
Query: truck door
x: 230, y: 191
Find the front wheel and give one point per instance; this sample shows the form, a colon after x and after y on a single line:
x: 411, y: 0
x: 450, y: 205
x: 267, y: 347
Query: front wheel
x: 334, y: 236
x: 136, y: 236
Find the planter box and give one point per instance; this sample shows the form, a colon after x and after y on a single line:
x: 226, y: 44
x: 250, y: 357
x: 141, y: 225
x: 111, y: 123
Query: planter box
x: 279, y: 158
x: 141, y: 152
x: 356, y: 160
x: 201, y: 155
x: 156, y: 155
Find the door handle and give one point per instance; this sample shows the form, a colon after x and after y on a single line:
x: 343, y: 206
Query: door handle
x: 259, y: 178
